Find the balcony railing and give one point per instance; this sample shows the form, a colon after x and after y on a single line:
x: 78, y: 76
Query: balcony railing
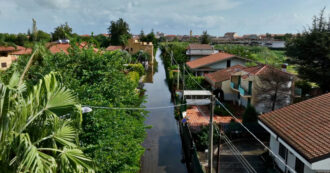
x: 243, y: 92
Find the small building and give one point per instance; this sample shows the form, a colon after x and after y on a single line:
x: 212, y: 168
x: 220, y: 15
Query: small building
x: 300, y: 135
x: 8, y: 54
x: 195, y: 51
x: 231, y: 35
x: 133, y: 46
x: 215, y: 62
x: 251, y: 37
x: 113, y: 48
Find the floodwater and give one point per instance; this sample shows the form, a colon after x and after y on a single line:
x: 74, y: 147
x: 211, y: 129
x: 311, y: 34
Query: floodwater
x: 163, y: 143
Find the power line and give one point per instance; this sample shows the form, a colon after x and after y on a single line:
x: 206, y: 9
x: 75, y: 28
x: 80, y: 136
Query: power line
x: 134, y: 108
x: 280, y: 159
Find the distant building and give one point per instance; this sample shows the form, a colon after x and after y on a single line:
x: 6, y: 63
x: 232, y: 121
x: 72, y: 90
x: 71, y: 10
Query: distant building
x: 215, y: 62
x: 231, y: 35
x: 300, y: 136
x: 170, y: 37
x: 251, y: 37
x: 133, y: 46
x: 63, y: 46
x: 113, y: 48
x: 195, y: 51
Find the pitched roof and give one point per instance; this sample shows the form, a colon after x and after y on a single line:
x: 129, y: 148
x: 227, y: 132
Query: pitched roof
x: 56, y: 48
x: 305, y: 126
x: 262, y: 69
x: 22, y: 51
x: 112, y: 48
x: 224, y: 74
x: 200, y: 46
x: 7, y: 48
x: 209, y: 59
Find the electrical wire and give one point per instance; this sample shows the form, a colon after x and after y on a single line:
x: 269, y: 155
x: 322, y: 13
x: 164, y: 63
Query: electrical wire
x: 134, y: 108
x: 270, y: 151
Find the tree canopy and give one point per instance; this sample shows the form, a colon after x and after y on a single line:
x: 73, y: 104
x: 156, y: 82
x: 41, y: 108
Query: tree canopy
x: 310, y: 50
x: 63, y: 31
x: 119, y: 32
x: 205, y: 38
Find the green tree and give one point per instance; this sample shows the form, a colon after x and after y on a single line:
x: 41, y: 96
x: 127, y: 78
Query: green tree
x: 119, y: 32
x: 311, y: 52
x: 250, y: 115
x: 39, y: 127
x: 43, y: 36
x: 205, y: 38
x: 63, y: 31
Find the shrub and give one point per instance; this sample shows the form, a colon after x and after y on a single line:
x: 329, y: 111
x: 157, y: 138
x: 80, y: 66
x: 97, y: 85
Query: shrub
x: 250, y: 115
x: 137, y: 68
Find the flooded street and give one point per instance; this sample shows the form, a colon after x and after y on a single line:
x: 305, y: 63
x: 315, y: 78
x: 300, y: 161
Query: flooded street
x: 163, y: 143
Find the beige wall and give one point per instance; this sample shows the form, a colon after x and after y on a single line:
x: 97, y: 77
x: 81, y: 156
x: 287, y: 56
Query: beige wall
x: 133, y: 46
x: 8, y: 60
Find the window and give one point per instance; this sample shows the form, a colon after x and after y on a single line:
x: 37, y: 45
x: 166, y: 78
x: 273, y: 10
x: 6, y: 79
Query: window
x: 282, y: 151
x: 228, y: 63
x: 299, y: 168
x: 3, y: 65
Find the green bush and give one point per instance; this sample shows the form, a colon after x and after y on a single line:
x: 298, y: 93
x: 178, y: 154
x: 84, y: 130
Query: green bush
x: 137, y: 68
x: 134, y: 76
x: 250, y: 115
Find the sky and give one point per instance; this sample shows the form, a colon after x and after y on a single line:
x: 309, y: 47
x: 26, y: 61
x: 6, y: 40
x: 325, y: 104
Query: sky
x: 168, y: 16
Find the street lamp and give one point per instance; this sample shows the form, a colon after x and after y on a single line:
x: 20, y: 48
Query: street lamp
x: 86, y: 109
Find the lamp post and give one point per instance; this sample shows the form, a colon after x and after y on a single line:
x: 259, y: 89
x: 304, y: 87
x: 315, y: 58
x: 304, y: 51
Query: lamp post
x: 86, y: 109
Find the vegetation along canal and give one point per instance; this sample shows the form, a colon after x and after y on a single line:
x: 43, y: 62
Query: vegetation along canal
x: 163, y: 144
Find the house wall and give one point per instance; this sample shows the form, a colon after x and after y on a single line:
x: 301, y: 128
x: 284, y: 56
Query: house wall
x: 8, y: 60
x: 133, y: 46
x: 228, y: 93
x: 223, y: 64
x: 320, y: 166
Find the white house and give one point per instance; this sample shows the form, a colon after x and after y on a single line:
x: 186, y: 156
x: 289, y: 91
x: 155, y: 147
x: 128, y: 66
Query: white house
x: 195, y: 51
x: 300, y: 135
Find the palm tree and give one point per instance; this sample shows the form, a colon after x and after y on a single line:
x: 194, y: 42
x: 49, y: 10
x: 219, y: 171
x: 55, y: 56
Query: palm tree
x: 39, y: 128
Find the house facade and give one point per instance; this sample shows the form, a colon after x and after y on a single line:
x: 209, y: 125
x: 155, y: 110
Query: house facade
x: 215, y: 62
x: 133, y: 46
x: 8, y: 54
x: 196, y: 51
x: 240, y: 84
x: 300, y: 135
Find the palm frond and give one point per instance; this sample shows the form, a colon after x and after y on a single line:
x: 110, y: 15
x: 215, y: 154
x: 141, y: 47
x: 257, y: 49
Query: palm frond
x: 74, y: 159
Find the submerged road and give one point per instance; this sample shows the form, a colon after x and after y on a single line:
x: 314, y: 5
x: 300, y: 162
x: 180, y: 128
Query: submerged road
x: 163, y: 143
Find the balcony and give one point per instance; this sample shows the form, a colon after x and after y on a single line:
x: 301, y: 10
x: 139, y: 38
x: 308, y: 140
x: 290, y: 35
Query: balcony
x: 243, y: 92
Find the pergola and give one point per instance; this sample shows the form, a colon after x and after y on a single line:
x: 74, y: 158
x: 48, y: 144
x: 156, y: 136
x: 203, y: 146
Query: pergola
x: 197, y: 97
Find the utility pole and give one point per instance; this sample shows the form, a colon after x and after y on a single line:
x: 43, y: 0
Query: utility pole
x: 211, y: 136
x: 178, y: 79
x: 183, y: 71
x: 219, y: 147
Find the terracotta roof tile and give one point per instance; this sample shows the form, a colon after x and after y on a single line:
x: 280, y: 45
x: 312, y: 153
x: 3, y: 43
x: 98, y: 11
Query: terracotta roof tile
x: 7, y: 48
x: 112, y: 48
x: 200, y: 46
x: 209, y: 60
x: 224, y: 74
x: 22, y: 51
x: 305, y: 126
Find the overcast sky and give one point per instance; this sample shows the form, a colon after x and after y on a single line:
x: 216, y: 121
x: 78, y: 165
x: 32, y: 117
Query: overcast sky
x: 168, y: 16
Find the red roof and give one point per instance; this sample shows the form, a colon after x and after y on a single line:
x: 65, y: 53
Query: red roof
x: 196, y: 118
x: 305, y: 126
x: 200, y: 47
x: 224, y: 74
x: 7, y: 48
x: 56, y: 48
x: 22, y: 51
x: 207, y: 60
x: 112, y: 48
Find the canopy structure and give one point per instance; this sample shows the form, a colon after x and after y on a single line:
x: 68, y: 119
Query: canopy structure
x: 197, y: 97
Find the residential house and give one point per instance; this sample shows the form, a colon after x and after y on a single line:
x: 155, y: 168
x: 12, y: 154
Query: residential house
x: 113, y: 48
x: 195, y: 51
x: 133, y: 46
x: 251, y: 37
x: 8, y: 54
x: 240, y: 84
x: 215, y: 62
x: 231, y: 35
x: 64, y: 45
x: 300, y: 135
